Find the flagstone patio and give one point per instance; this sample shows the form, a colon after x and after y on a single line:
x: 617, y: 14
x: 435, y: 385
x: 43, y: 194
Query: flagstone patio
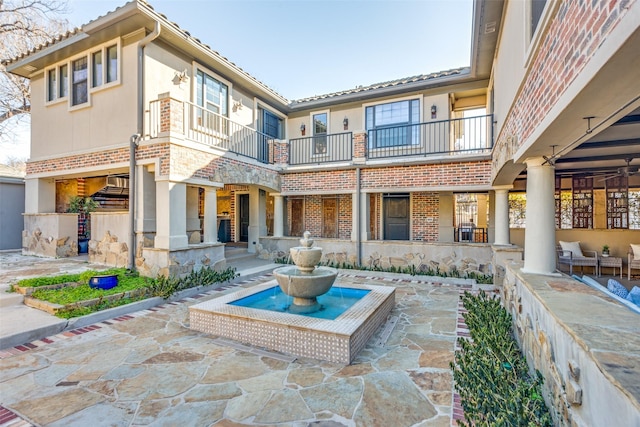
x: 149, y: 368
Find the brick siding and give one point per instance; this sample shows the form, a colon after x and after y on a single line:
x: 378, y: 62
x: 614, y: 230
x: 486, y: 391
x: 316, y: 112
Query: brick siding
x: 425, y: 205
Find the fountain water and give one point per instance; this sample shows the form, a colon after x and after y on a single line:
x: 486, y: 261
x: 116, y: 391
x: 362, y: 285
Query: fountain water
x: 301, y: 329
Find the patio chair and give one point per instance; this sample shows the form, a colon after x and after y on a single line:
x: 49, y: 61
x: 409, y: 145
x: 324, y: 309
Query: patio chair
x: 571, y: 254
x: 634, y: 259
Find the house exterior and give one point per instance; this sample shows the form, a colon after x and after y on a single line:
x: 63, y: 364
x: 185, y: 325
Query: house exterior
x: 185, y: 151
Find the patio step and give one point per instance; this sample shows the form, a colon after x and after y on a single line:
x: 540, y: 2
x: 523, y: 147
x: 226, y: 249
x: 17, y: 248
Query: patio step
x: 10, y: 299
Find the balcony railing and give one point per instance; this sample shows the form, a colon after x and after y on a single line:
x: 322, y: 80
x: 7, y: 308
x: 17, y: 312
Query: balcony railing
x: 213, y: 129
x: 335, y: 147
x: 467, y: 135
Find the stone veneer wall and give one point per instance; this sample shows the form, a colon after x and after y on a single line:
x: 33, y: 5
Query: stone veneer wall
x: 52, y: 235
x: 585, y: 344
x: 466, y: 258
x: 180, y: 262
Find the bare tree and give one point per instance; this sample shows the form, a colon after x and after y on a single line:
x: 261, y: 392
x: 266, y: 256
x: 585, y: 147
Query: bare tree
x: 24, y: 25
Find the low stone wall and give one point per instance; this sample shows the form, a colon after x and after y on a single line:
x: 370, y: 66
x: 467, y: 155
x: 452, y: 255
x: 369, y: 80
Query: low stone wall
x: 585, y: 344
x: 465, y: 257
x: 180, y: 262
x: 109, y: 251
x: 53, y: 235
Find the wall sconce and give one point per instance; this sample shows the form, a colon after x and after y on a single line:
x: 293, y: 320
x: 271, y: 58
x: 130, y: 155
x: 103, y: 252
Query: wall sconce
x: 302, y: 129
x: 345, y: 123
x: 237, y: 105
x: 434, y: 111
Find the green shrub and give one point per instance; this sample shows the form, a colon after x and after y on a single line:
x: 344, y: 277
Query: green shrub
x: 166, y: 286
x: 410, y: 269
x: 490, y: 373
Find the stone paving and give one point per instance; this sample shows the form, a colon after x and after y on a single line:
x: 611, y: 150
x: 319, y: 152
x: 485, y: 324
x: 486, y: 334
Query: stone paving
x: 149, y: 368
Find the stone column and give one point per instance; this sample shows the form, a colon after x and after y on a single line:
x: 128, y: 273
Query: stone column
x: 210, y: 215
x: 501, y: 215
x: 145, y: 200
x: 193, y: 218
x: 540, y: 234
x: 171, y: 215
x: 40, y: 195
x: 278, y: 215
x: 445, y: 212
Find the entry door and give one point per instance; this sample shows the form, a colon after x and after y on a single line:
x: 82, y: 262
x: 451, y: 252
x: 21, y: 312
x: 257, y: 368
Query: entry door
x: 330, y: 218
x: 297, y: 217
x: 243, y: 216
x: 396, y: 217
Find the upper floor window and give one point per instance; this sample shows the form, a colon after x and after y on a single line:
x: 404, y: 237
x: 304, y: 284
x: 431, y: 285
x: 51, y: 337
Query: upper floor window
x: 537, y: 6
x: 270, y: 124
x: 79, y: 92
x: 392, y: 123
x: 320, y: 123
x: 94, y: 69
x: 212, y: 97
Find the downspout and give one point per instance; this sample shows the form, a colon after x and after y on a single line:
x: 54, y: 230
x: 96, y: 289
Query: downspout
x: 133, y: 144
x: 358, y: 218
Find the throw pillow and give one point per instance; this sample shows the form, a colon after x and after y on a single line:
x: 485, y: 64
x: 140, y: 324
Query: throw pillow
x: 634, y: 295
x: 636, y: 251
x: 616, y: 288
x: 573, y: 247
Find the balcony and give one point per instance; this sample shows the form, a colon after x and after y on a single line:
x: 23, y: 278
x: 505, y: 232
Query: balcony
x: 472, y: 135
x: 209, y: 128
x: 337, y: 147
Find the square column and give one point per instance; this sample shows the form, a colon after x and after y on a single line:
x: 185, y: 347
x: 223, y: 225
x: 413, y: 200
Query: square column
x: 39, y: 195
x: 145, y: 200
x: 257, y: 217
x: 193, y: 218
x: 540, y: 234
x: 210, y: 215
x: 445, y: 212
x: 171, y: 215
x: 501, y: 215
x: 278, y: 215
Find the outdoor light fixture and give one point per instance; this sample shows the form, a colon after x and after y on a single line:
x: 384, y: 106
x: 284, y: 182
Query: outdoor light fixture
x: 345, y: 123
x: 434, y: 111
x: 302, y: 129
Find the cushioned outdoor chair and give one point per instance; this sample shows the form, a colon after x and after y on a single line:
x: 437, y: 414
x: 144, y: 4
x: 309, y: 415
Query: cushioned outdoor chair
x: 634, y: 259
x: 571, y: 254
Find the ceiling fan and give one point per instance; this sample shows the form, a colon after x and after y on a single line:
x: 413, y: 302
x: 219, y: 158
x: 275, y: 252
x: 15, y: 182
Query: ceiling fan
x: 625, y: 171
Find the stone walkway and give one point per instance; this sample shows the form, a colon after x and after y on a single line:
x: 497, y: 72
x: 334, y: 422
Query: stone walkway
x: 149, y: 368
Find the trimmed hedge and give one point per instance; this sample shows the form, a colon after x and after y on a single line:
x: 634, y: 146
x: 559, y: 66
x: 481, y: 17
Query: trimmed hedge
x: 491, y: 375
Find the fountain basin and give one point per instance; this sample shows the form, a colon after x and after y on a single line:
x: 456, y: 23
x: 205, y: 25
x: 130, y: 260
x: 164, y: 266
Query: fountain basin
x: 338, y: 340
x: 300, y: 284
x: 305, y: 258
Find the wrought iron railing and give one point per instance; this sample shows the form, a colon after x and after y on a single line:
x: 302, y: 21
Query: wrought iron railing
x: 335, y: 147
x: 215, y: 130
x: 467, y: 135
x: 470, y: 234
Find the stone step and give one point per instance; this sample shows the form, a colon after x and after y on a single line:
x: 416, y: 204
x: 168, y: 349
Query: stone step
x: 8, y: 299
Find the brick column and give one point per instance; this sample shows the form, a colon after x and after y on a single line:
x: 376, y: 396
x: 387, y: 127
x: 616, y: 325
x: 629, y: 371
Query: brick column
x: 359, y: 146
x: 280, y: 151
x: 171, y: 115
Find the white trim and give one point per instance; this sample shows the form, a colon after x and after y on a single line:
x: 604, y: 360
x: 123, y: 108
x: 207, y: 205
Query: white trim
x: 532, y: 41
x: 315, y: 113
x: 260, y: 104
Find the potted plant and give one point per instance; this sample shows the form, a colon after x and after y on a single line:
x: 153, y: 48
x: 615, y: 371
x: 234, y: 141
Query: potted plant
x: 83, y: 206
x: 605, y: 250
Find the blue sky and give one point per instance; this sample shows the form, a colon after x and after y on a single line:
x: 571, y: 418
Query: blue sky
x: 304, y: 48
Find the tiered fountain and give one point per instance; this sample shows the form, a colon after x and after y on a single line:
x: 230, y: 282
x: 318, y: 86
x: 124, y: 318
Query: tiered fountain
x: 305, y: 282
x: 311, y: 322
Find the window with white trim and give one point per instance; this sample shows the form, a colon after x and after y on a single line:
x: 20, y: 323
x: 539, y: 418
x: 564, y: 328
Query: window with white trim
x: 96, y: 69
x: 393, y: 123
x: 320, y: 126
x: 212, y: 96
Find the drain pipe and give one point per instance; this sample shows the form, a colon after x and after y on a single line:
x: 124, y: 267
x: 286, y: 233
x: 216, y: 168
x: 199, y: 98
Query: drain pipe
x: 134, y: 141
x: 358, y: 217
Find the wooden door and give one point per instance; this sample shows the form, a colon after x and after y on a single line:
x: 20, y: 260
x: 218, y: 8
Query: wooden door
x: 297, y: 217
x: 243, y: 216
x: 330, y: 218
x: 396, y: 217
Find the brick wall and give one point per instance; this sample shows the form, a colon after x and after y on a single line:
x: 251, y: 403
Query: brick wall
x: 424, y: 216
x: 575, y: 34
x: 345, y: 216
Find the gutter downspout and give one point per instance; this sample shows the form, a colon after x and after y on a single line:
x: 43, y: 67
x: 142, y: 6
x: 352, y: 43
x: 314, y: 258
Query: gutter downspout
x: 358, y: 217
x: 133, y: 144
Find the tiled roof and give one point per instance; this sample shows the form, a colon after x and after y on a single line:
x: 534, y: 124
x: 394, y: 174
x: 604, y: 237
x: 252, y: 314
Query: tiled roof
x: 390, y: 83
x: 330, y: 96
